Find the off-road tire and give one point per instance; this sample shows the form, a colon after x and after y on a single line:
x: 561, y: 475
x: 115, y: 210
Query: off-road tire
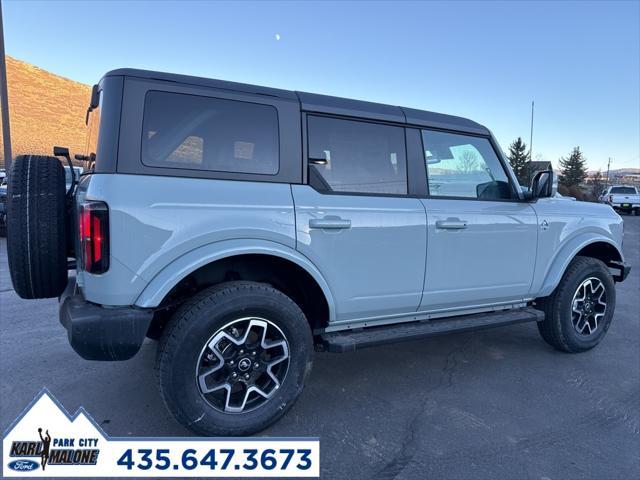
x: 557, y: 328
x: 36, y: 226
x: 195, y: 322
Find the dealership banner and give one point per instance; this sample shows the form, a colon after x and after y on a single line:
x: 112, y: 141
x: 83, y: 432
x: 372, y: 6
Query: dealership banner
x: 45, y: 441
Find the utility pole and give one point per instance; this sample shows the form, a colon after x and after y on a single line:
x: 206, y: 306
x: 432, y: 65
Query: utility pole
x: 530, y: 146
x: 608, y: 166
x: 4, y: 99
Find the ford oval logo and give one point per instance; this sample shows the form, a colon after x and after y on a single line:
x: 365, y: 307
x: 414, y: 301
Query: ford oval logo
x: 23, y: 465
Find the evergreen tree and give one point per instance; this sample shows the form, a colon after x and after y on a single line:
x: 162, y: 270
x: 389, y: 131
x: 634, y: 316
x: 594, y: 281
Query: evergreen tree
x: 519, y: 160
x: 597, y: 184
x: 573, y: 170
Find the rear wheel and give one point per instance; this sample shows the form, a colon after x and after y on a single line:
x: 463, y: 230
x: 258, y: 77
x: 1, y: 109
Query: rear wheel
x: 233, y: 359
x: 36, y: 226
x: 579, y: 311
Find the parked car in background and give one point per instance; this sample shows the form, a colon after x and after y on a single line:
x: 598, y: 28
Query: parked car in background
x: 242, y: 226
x: 623, y: 198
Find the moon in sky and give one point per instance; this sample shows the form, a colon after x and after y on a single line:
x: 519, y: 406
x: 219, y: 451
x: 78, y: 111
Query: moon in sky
x: 277, y: 36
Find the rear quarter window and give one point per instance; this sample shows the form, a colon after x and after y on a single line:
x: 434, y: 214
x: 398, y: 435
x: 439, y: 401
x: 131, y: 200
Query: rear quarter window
x: 203, y: 133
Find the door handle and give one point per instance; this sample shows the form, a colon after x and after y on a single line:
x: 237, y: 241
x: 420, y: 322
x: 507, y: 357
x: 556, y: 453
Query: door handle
x: 336, y: 223
x: 451, y: 224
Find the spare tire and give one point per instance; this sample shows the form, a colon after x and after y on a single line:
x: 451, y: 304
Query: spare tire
x: 36, y: 226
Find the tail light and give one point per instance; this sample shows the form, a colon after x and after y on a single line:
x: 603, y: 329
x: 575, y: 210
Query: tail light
x: 94, y: 236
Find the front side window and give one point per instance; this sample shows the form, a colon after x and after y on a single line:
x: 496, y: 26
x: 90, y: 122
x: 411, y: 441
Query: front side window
x: 464, y: 166
x: 203, y: 133
x: 358, y: 157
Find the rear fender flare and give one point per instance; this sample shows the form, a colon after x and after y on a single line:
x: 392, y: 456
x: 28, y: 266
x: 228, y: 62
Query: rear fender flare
x: 178, y: 269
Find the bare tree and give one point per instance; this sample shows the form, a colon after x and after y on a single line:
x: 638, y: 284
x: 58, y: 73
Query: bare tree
x: 468, y: 163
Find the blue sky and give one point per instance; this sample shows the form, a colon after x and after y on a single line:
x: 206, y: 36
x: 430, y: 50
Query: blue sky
x: 579, y: 61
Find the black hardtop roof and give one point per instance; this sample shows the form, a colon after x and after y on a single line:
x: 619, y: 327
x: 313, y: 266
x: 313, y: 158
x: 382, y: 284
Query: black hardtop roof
x: 313, y: 102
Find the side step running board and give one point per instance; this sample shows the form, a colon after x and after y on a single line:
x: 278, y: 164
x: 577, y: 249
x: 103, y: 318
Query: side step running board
x: 350, y: 341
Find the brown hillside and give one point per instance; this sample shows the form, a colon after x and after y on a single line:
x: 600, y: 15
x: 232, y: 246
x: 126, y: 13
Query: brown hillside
x: 44, y: 110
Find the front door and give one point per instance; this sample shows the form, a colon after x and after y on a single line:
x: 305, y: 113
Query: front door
x: 481, y: 239
x: 355, y: 222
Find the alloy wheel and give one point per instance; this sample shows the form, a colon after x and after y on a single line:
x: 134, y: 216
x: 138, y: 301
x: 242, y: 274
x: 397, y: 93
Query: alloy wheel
x: 242, y: 365
x: 588, y: 306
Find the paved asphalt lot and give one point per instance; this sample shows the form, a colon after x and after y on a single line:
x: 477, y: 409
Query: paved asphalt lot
x: 492, y: 404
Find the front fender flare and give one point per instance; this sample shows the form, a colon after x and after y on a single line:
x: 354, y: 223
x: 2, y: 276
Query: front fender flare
x: 178, y: 269
x: 564, y: 256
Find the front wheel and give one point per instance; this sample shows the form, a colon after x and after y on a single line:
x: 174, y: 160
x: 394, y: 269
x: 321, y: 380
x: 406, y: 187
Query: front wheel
x: 579, y: 311
x: 234, y: 358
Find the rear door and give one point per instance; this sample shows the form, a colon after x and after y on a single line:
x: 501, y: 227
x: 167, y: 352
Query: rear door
x: 355, y: 220
x: 481, y: 238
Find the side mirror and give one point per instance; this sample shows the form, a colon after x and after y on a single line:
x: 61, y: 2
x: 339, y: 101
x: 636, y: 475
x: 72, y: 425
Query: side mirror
x: 542, y: 184
x: 93, y: 103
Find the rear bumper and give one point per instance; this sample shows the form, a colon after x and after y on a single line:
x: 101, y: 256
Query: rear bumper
x: 98, y: 333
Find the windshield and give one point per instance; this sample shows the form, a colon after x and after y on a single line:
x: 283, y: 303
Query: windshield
x: 623, y: 190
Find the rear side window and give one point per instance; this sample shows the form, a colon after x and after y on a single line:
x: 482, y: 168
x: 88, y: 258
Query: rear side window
x: 464, y: 166
x: 203, y: 133
x: 623, y: 190
x: 358, y: 157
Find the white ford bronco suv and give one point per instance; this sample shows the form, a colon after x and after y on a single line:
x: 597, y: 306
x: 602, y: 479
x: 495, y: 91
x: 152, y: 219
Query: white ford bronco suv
x: 242, y: 226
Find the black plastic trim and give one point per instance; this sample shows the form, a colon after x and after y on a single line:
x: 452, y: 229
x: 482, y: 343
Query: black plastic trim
x: 624, y: 269
x: 352, y: 340
x: 416, y: 166
x: 110, y: 118
x: 317, y: 103
x: 98, y: 333
x: 314, y: 102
